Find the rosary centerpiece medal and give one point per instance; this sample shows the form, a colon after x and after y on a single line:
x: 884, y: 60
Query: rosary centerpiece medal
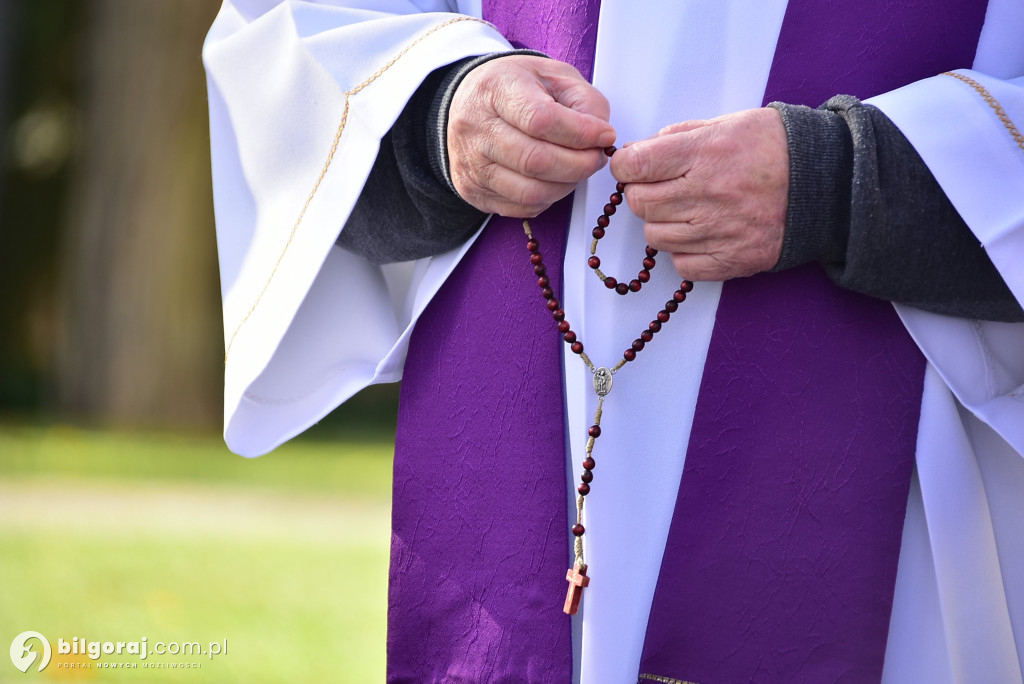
x: 603, y: 376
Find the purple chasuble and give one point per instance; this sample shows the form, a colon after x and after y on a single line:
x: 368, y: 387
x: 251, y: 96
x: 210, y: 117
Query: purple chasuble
x: 781, y: 559
x: 479, y: 544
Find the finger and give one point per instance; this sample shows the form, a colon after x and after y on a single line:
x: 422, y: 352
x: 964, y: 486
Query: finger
x: 512, y: 194
x: 655, y: 159
x: 676, y: 200
x: 706, y: 268
x: 683, y: 127
x: 677, y: 237
x: 542, y: 160
x: 536, y: 114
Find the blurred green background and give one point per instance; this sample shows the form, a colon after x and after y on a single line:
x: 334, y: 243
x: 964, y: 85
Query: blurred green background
x: 122, y: 515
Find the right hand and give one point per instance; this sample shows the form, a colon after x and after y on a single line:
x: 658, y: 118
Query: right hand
x: 522, y: 132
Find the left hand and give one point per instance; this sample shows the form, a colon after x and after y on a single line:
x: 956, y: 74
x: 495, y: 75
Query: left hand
x: 712, y: 193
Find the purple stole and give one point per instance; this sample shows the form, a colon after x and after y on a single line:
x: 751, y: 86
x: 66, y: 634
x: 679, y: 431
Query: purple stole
x: 781, y: 559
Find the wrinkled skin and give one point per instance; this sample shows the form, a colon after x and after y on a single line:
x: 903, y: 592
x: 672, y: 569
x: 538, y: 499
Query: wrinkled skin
x: 523, y: 131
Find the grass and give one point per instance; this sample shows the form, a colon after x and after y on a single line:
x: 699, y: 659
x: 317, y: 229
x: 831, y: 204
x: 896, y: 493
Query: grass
x: 113, y: 537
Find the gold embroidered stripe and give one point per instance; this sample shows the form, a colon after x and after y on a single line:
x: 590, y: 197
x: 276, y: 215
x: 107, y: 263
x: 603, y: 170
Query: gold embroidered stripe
x: 645, y: 678
x: 993, y: 103
x: 330, y: 157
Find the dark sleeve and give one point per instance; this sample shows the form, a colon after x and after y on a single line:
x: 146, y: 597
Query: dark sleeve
x: 409, y: 208
x: 864, y: 205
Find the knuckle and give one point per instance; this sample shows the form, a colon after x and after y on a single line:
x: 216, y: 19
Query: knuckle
x: 535, y: 161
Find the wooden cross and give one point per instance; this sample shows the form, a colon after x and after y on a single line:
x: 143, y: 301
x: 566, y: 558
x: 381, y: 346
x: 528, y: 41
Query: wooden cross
x: 578, y: 579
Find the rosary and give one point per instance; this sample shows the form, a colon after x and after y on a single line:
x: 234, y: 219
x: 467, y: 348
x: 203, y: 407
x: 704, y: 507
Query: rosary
x: 577, y: 575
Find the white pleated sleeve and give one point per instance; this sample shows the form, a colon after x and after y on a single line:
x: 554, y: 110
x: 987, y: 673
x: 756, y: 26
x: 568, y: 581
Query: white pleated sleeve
x: 300, y: 95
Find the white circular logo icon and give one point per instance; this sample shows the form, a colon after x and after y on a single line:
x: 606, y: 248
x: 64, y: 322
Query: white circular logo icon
x: 23, y: 656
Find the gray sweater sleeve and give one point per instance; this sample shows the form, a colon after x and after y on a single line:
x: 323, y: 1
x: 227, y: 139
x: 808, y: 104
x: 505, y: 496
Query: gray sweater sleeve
x: 409, y: 207
x: 862, y: 204
x: 887, y: 230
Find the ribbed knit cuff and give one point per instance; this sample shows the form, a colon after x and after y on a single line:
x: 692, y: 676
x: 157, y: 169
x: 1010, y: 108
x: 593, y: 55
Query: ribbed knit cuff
x: 437, y: 117
x: 820, y: 176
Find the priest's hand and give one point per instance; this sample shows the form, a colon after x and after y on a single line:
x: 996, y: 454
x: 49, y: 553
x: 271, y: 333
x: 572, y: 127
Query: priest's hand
x: 522, y: 132
x: 712, y: 193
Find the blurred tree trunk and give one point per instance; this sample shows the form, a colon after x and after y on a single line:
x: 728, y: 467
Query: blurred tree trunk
x: 140, y: 335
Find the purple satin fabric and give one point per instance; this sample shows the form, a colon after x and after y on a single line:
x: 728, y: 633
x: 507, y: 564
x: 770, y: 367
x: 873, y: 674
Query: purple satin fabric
x: 479, y: 527
x: 781, y: 560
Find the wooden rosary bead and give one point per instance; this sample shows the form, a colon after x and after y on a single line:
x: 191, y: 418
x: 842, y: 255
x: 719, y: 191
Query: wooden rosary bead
x: 646, y: 336
x: 671, y: 306
x: 594, y: 262
x: 629, y: 355
x: 643, y: 276
x: 635, y: 285
x: 598, y: 233
x: 587, y: 476
x: 588, y: 464
x: 563, y: 326
x: 553, y: 304
x: 578, y: 530
x: 532, y: 245
x: 583, y: 489
x: 622, y: 288
x: 576, y: 347
x: 569, y: 337
x: 610, y: 283
x: 594, y: 431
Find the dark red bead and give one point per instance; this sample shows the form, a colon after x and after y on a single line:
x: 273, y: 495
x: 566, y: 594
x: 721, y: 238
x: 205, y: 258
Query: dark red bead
x: 558, y: 315
x: 553, y: 304
x: 651, y: 252
x: 598, y: 233
x: 647, y: 336
x: 609, y: 209
x: 594, y: 262
x: 679, y: 296
x: 576, y: 347
x: 536, y: 258
x: 540, y: 269
x: 594, y: 431
x: 603, y: 221
x: 577, y: 529
x: 616, y: 197
x: 643, y: 276
x: 686, y: 286
x: 671, y: 306
x: 563, y: 326
x: 629, y: 354
x: 610, y: 150
x: 548, y: 293
x: 543, y: 281
x: 583, y: 489
x: 649, y: 263
x: 663, y: 316
x: 655, y: 326
x: 638, y: 345
x: 588, y: 464
x: 620, y: 187
x: 532, y: 245
x: 622, y: 288
x: 569, y: 336
x: 635, y: 285
x: 587, y: 476
x: 610, y: 283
